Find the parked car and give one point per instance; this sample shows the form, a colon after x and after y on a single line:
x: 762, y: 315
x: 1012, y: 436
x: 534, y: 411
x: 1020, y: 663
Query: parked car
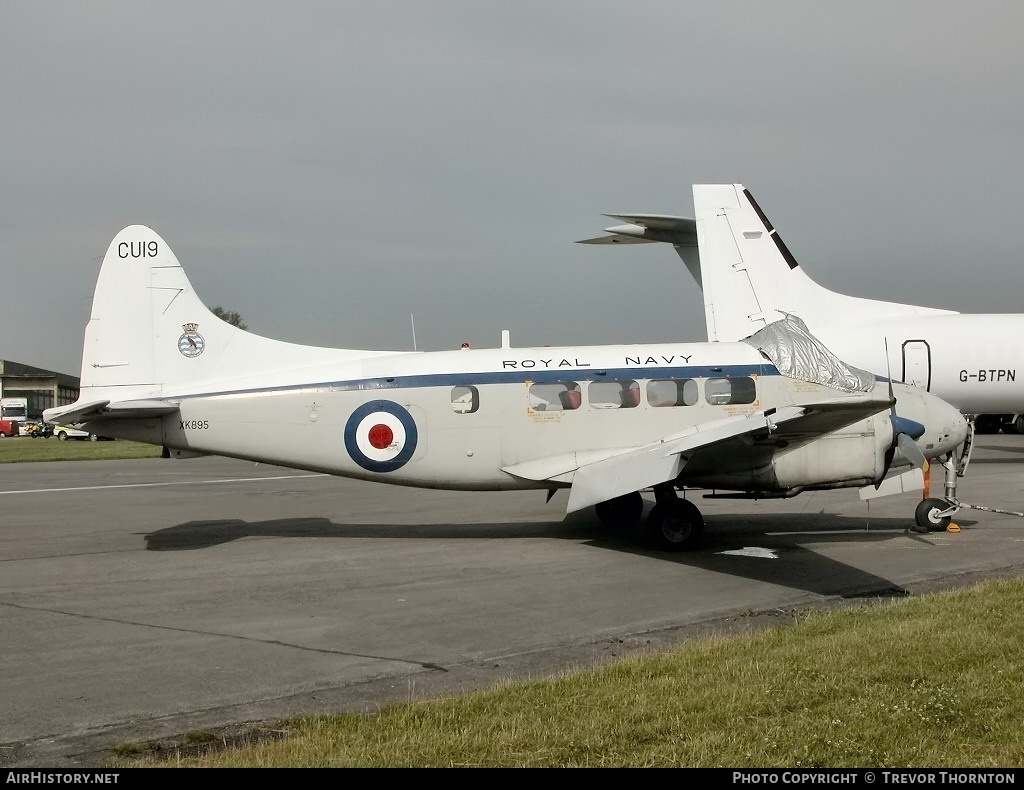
x: 65, y: 432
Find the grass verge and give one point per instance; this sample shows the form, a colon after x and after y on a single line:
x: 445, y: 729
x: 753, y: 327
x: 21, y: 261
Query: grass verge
x: 928, y: 682
x: 23, y: 449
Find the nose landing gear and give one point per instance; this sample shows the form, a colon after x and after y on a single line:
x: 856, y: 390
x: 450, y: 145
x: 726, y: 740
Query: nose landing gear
x: 934, y: 514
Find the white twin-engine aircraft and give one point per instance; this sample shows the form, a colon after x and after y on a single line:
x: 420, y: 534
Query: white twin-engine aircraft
x: 749, y: 279
x: 771, y: 416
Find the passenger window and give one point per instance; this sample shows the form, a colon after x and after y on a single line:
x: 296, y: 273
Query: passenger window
x: 630, y: 394
x: 721, y: 392
x: 672, y: 392
x: 465, y: 400
x: 555, y: 396
x: 615, y: 394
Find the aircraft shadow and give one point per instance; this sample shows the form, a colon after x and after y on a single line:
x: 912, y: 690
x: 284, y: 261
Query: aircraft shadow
x: 203, y: 534
x: 790, y: 563
x: 771, y: 548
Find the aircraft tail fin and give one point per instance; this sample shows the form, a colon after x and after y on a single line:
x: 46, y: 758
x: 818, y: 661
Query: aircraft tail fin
x: 150, y: 336
x: 750, y: 278
x: 748, y: 275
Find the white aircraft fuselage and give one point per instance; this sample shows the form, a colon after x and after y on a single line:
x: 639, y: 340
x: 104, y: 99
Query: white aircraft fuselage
x: 749, y: 278
x: 323, y: 420
x: 971, y: 361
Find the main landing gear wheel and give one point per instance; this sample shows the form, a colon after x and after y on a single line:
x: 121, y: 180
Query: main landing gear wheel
x: 623, y: 511
x: 927, y: 518
x: 676, y: 525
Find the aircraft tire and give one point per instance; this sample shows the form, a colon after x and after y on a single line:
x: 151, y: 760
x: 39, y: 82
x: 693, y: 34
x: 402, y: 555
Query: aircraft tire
x: 925, y: 517
x: 622, y: 511
x: 676, y: 526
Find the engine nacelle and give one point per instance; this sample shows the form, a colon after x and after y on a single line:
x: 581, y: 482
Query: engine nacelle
x: 854, y: 456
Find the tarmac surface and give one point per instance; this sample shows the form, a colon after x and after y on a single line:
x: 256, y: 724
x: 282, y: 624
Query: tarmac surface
x: 141, y: 600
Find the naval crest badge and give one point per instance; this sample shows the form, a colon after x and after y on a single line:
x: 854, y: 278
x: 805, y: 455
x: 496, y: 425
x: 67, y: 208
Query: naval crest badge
x: 191, y: 343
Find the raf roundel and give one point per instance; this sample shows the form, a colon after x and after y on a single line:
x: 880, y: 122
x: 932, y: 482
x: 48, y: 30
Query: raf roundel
x: 381, y: 436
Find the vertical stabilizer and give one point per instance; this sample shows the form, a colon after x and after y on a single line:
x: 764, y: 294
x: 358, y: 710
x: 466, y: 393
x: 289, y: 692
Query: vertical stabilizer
x: 746, y: 268
x: 150, y: 336
x: 140, y: 290
x: 750, y: 278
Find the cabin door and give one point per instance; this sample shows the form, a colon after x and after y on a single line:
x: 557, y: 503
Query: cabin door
x: 917, y: 363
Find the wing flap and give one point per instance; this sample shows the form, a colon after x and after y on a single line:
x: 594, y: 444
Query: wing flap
x: 551, y: 468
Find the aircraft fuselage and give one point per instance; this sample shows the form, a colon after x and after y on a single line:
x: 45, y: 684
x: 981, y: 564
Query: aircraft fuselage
x: 399, y: 419
x: 975, y: 362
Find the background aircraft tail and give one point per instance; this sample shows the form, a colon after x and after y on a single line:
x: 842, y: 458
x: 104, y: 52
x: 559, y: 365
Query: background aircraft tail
x: 750, y: 278
x: 747, y: 274
x: 150, y: 336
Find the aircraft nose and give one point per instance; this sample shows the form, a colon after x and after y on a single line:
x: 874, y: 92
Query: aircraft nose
x: 945, y: 428
x: 936, y: 427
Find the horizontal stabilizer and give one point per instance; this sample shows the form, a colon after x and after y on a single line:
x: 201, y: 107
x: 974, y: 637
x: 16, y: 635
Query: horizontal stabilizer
x: 76, y: 412
x: 647, y: 228
x: 105, y: 410
x: 616, y: 239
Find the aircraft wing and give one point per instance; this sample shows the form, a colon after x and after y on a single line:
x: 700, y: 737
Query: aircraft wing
x: 721, y: 446
x: 105, y: 410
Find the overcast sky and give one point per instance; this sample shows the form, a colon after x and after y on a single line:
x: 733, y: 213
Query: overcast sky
x: 339, y: 172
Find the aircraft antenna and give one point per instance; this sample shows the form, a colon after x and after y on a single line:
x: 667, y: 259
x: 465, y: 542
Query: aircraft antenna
x: 412, y: 320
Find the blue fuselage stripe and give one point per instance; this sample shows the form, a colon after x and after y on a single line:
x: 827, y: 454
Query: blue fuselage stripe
x: 504, y: 377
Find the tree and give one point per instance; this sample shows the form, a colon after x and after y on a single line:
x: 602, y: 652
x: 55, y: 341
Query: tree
x: 233, y: 317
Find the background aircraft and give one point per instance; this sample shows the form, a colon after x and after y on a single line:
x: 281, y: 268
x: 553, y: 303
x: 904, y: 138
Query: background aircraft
x: 773, y: 416
x: 750, y: 278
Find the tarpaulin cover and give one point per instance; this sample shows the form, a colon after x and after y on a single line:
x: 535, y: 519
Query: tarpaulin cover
x: 798, y: 354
